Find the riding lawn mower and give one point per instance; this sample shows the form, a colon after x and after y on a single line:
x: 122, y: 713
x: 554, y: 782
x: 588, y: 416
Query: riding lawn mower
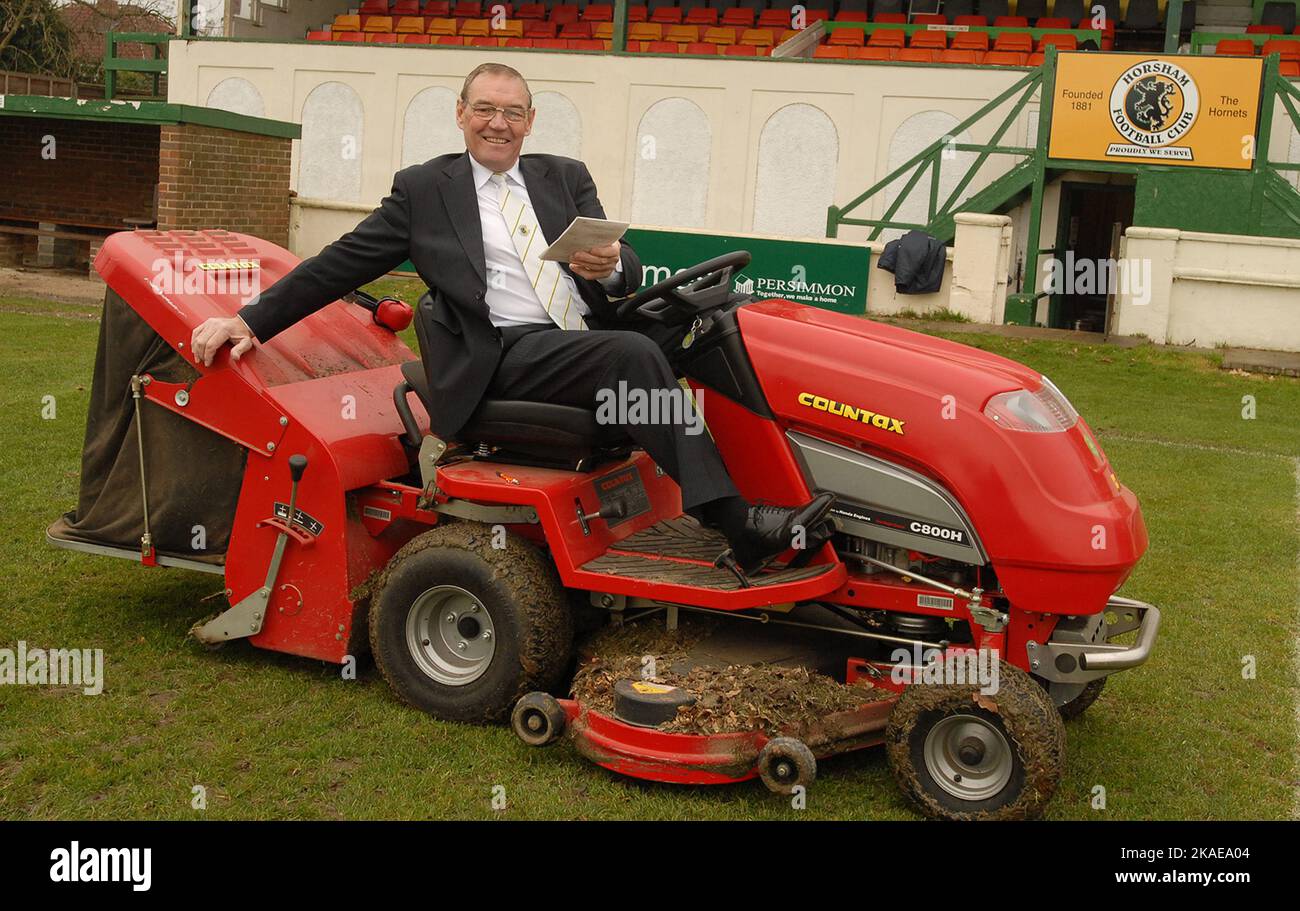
x: 975, y: 514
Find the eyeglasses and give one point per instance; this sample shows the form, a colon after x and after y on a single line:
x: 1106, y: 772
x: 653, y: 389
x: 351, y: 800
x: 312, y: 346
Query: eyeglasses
x: 485, y: 111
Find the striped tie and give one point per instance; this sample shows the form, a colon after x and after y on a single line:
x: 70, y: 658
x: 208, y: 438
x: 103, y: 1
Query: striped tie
x: 546, y: 278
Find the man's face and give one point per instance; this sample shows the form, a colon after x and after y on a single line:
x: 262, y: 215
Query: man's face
x: 495, y: 142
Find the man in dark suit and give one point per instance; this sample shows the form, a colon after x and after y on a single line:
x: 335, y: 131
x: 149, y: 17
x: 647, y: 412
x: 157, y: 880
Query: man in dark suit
x: 499, y: 321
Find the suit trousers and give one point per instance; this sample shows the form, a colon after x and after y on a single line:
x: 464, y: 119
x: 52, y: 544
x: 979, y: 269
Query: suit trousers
x: 544, y: 363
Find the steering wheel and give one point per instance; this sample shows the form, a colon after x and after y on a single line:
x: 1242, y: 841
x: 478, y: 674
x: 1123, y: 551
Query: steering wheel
x: 682, y: 297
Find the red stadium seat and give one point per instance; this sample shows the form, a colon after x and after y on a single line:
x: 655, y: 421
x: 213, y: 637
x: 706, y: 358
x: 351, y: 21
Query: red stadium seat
x: 573, y: 30
x: 667, y: 15
x: 405, y: 8
x: 1014, y: 41
x: 535, y: 28
x: 467, y: 9
x: 661, y: 47
x: 891, y: 18
x: 851, y: 15
x: 484, y: 41
x: 701, y: 15
x: 774, y: 18
x: 414, y: 39
x: 1005, y: 58
x: 959, y: 56
x: 978, y: 21
x: 1010, y: 22
x: 1258, y: 29
x: 738, y: 17
x: 449, y: 39
x: 1287, y: 48
x: 970, y: 41
x: 1055, y: 22
x: 929, y: 19
x: 1235, y: 48
x: 1062, y: 42
x: 564, y: 12
x: 830, y: 52
x: 701, y: 47
x: 847, y: 37
x: 1290, y: 69
x: 349, y: 36
x: 934, y: 40
x: 518, y: 42
x: 638, y: 14
x: 598, y: 12
x: 375, y: 6
x: 741, y: 50
x: 1036, y: 59
x: 381, y: 37
x: 441, y: 8
x: 319, y: 35
x: 586, y: 44
x: 877, y: 53
x: 531, y: 11
x: 916, y: 55
x: 552, y: 44
x: 888, y: 37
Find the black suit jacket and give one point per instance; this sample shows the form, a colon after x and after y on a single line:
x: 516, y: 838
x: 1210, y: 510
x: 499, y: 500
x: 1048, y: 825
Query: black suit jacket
x: 431, y: 217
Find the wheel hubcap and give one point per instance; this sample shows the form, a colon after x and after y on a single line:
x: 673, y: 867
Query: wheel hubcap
x: 450, y: 635
x: 968, y: 757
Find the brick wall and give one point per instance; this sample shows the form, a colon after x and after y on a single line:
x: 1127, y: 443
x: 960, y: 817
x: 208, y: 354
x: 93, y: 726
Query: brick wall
x: 215, y: 178
x: 85, y: 173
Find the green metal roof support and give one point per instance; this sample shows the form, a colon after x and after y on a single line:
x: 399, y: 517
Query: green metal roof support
x: 1020, y: 308
x: 619, y: 43
x: 1173, y: 24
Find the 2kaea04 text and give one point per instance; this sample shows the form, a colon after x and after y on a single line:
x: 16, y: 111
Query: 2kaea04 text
x: 1192, y: 853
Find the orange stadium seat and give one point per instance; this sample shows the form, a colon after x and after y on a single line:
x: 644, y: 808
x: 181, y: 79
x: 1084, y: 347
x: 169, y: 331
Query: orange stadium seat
x: 511, y: 28
x: 448, y: 39
x: 1290, y: 69
x: 847, y: 37
x: 959, y: 56
x: 757, y: 37
x: 473, y: 28
x: 1235, y: 48
x: 1005, y: 58
x: 935, y: 40
x: 439, y: 26
x: 349, y: 36
x: 970, y: 41
x: 719, y: 35
x: 381, y: 37
x: 409, y: 25
x: 1036, y: 59
x: 1014, y: 41
x: 1288, y: 49
x: 602, y: 30
x: 831, y: 52
x: 645, y: 31
x: 682, y: 34
x: 1062, y: 42
x: 916, y: 54
x: 347, y: 23
x: 877, y: 53
x: 889, y: 37
x: 1259, y: 29
x: 700, y: 47
x: 320, y: 35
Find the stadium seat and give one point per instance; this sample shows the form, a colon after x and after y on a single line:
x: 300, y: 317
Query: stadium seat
x: 536, y: 28
x: 1262, y: 29
x: 586, y: 44
x: 1287, y: 48
x: 474, y: 28
x: 741, y: 50
x: 467, y: 9
x: 440, y: 8
x: 409, y: 25
x: 320, y: 35
x: 1005, y: 58
x: 645, y: 31
x: 701, y: 15
x: 890, y: 18
x: 1282, y: 14
x: 531, y: 11
x: 1062, y: 42
x: 774, y: 18
x: 970, y: 41
x: 757, y: 37
x: 1011, y: 22
x: 1142, y: 16
x: 405, y: 8
x: 483, y: 41
x: 1235, y: 48
x: 700, y: 47
x: 852, y: 6
x: 929, y: 19
x: 551, y: 44
x: 971, y: 20
x: 638, y: 14
x: 959, y: 56
x: 719, y: 35
x: 1290, y: 69
x: 847, y: 37
x: 932, y: 40
x: 381, y: 37
x: 830, y: 52
x: 518, y: 42
x: 564, y: 12
x: 414, y: 39
x: 1054, y: 22
x: 377, y: 24
x: 440, y: 26
x: 888, y: 37
x: 916, y: 55
x: 449, y: 39
x: 349, y: 36
x: 1014, y: 41
x: 682, y: 34
x: 375, y: 6
x: 660, y: 47
x: 667, y: 15
x: 578, y: 30
x: 347, y: 23
x: 879, y: 53
x: 511, y: 28
x: 1036, y: 59
x: 850, y: 16
x: 598, y: 12
x: 737, y: 17
x: 602, y: 30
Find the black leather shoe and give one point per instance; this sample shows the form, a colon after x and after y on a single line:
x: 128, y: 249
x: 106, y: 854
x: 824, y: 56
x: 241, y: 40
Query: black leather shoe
x: 769, y: 530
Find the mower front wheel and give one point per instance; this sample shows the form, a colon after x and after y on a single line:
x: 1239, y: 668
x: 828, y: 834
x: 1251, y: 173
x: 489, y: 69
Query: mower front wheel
x: 785, y: 763
x: 462, y: 630
x: 961, y: 754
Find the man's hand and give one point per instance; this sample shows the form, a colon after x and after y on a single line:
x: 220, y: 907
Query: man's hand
x: 214, y: 332
x: 596, y: 263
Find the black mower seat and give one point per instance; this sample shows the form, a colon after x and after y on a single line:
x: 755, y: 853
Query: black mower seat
x: 559, y: 430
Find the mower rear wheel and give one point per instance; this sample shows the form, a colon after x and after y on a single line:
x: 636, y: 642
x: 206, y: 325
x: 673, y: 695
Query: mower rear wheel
x: 785, y: 763
x: 960, y: 754
x: 461, y: 629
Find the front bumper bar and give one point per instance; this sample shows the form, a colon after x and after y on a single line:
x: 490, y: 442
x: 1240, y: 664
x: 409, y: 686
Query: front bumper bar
x: 1081, y: 649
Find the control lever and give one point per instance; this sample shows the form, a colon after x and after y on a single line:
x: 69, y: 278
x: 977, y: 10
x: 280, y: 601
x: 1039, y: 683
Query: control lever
x: 615, y: 510
x: 246, y: 617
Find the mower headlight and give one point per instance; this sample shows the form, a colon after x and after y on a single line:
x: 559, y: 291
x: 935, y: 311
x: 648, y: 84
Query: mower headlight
x: 1044, y: 411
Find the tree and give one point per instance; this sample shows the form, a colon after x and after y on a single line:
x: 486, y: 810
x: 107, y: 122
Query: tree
x: 35, y: 39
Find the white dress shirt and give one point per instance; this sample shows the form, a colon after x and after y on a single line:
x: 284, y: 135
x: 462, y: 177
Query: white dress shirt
x: 510, y: 296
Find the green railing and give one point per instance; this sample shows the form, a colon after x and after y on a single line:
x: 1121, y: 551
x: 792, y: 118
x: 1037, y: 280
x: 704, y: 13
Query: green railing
x: 933, y: 158
x: 113, y: 64
x: 1083, y: 34
x: 1272, y: 185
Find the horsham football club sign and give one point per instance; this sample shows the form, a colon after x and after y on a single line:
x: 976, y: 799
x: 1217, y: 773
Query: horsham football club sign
x: 827, y: 273
x: 1174, y: 110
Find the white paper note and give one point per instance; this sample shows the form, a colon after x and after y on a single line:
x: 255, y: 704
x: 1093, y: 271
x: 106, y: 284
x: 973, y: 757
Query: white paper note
x: 583, y: 234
